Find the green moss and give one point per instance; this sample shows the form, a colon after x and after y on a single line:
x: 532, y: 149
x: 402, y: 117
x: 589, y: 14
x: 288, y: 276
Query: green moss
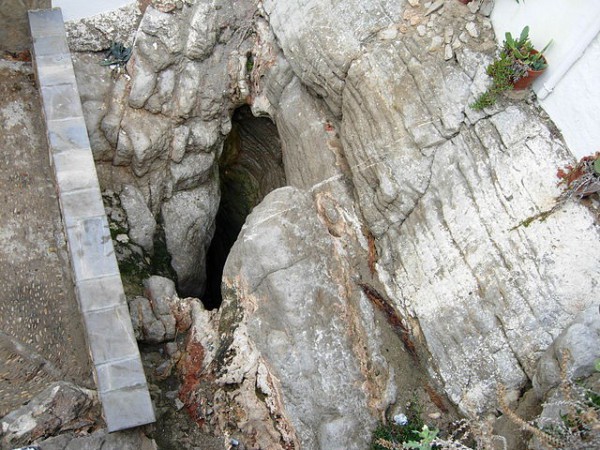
x: 540, y: 216
x: 137, y: 268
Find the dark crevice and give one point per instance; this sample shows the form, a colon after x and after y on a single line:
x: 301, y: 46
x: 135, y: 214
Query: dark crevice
x: 250, y: 167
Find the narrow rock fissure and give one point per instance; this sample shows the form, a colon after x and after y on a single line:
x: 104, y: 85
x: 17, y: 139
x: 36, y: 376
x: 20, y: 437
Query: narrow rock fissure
x: 250, y: 167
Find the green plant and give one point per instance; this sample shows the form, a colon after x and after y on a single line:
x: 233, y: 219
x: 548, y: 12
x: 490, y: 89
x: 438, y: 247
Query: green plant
x: 117, y: 55
x: 516, y: 59
x: 395, y: 434
x: 426, y: 439
x: 582, y: 179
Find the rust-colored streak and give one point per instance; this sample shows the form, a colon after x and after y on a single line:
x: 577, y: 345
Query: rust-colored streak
x: 372, y: 253
x: 392, y: 317
x: 191, y: 368
x: 436, y: 398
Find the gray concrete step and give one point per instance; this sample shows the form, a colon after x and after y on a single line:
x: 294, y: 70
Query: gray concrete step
x: 119, y: 373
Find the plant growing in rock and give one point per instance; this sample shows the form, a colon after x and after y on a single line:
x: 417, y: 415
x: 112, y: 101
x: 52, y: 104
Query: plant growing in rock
x: 518, y: 60
x: 399, y: 431
x: 579, y: 423
x: 582, y: 179
x: 579, y: 181
x: 117, y: 55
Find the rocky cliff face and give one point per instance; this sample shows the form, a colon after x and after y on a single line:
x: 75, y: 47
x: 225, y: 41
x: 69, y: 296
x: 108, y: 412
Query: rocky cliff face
x: 407, y: 214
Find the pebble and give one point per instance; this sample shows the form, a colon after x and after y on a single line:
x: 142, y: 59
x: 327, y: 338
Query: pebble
x: 171, y: 348
x: 448, y: 33
x: 400, y: 419
x: 178, y: 404
x: 388, y: 34
x: 473, y: 7
x: 434, y: 7
x: 122, y: 238
x: 448, y: 53
x: 472, y: 29
x: 464, y: 37
x: 422, y: 30
x: 436, y: 43
x: 413, y: 3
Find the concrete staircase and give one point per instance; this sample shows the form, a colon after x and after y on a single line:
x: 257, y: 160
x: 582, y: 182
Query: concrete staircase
x: 119, y: 373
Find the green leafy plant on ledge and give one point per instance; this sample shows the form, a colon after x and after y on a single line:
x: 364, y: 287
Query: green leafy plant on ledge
x: 517, y: 60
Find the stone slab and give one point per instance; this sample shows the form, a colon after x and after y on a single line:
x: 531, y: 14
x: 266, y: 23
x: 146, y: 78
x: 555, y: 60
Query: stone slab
x: 61, y: 101
x: 46, y: 22
x: 116, y: 375
x: 110, y: 335
x: 50, y: 45
x: 75, y: 170
x: 127, y: 408
x: 55, y: 69
x: 82, y: 204
x: 90, y: 245
x: 119, y: 371
x: 101, y: 293
x: 68, y: 134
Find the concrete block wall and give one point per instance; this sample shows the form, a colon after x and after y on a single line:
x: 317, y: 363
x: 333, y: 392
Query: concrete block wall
x: 119, y: 373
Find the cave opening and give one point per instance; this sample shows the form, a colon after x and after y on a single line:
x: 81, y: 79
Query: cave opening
x: 250, y: 166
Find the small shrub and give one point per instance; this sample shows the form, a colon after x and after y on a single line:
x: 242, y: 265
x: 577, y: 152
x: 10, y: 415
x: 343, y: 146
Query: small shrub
x: 116, y: 55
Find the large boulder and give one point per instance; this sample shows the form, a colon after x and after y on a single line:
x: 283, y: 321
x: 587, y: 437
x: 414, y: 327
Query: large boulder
x: 100, y: 440
x: 62, y: 406
x: 300, y: 360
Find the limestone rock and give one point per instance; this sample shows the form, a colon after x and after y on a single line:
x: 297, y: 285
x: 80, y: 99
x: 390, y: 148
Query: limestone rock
x: 161, y: 293
x: 59, y: 407
x: 319, y: 59
x: 142, y: 225
x: 302, y: 140
x: 143, y: 139
x: 100, y: 440
x: 146, y: 326
x: 165, y: 28
x: 144, y: 82
x: 202, y: 34
x: 98, y: 32
x: 192, y: 171
x: 155, y: 317
x: 189, y: 221
x: 286, y: 314
x: 578, y: 347
x: 443, y: 190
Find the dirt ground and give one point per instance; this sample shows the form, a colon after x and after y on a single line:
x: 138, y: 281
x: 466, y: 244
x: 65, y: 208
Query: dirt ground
x: 41, y: 331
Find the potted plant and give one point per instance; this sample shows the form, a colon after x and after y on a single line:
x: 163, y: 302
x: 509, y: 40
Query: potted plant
x: 518, y: 65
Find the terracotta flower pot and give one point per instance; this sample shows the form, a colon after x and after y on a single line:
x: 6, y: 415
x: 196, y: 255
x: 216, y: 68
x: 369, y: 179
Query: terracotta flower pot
x: 525, y: 82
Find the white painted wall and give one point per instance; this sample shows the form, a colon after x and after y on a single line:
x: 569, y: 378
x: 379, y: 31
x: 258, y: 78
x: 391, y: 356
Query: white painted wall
x: 77, y: 9
x: 569, y: 90
x: 574, y: 105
